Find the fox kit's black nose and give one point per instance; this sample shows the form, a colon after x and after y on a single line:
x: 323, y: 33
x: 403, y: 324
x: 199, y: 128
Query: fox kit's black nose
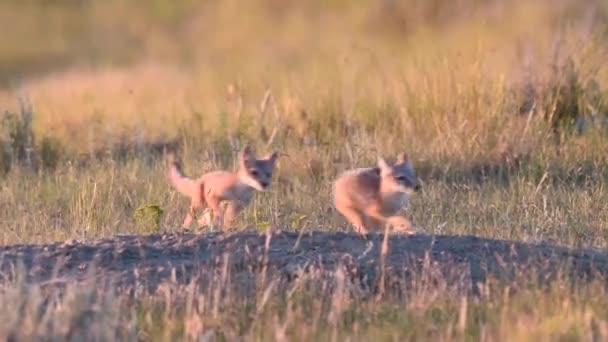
x: 264, y: 184
x: 417, y: 187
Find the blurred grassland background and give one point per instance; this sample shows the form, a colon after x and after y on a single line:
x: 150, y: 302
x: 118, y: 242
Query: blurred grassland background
x: 500, y: 105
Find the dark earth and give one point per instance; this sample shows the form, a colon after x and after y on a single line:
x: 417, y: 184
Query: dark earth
x: 151, y: 259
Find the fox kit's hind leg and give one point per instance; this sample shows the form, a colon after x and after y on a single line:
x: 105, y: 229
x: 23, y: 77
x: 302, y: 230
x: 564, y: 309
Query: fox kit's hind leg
x: 215, y: 204
x: 354, y: 216
x: 195, y: 203
x: 188, y: 219
x: 206, y: 218
x: 215, y: 214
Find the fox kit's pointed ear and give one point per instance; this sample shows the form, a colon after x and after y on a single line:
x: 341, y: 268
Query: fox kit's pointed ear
x: 384, y: 167
x: 273, y: 158
x: 402, y: 158
x: 246, y: 156
x: 170, y: 157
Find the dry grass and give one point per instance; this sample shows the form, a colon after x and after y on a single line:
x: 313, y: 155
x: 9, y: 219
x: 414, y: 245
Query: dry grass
x: 318, y: 305
x: 473, y: 91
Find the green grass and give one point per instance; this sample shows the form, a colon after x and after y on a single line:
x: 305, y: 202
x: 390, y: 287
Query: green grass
x: 471, y: 91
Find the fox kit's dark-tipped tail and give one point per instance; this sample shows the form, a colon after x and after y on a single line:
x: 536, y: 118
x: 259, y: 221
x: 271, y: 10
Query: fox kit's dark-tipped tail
x: 182, y: 184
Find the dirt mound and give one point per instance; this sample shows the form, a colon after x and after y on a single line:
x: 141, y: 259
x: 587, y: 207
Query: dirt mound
x: 151, y: 259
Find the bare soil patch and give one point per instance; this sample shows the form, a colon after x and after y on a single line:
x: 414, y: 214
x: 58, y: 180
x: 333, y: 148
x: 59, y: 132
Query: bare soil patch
x: 151, y: 259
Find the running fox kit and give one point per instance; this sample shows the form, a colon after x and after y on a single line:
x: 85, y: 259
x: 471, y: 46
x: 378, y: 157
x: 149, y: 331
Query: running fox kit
x: 372, y: 197
x: 213, y: 188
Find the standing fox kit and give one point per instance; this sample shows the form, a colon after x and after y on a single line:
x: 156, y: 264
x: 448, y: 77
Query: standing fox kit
x: 213, y: 188
x: 372, y: 197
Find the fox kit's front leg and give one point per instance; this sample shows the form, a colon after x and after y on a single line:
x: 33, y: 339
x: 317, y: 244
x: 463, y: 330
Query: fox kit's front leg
x: 236, y: 205
x: 233, y: 209
x: 397, y: 222
x: 190, y: 214
x: 400, y: 224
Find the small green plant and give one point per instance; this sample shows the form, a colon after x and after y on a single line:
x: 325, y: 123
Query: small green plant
x: 147, y: 217
x: 298, y: 221
x: 262, y: 226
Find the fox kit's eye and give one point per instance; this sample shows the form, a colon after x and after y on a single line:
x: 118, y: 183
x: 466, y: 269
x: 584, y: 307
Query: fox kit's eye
x: 400, y: 178
x: 254, y: 173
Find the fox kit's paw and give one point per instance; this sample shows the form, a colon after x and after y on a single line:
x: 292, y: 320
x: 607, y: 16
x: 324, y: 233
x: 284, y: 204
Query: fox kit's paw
x: 362, y: 232
x: 400, y: 224
x: 206, y: 219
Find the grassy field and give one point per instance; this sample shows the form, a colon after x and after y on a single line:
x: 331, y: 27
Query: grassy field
x: 487, y: 97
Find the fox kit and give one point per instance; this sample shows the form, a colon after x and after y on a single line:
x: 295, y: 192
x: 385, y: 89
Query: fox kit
x: 371, y: 197
x: 213, y: 188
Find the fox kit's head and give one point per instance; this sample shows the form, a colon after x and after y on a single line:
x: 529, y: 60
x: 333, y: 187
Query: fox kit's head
x: 399, y: 177
x: 257, y: 173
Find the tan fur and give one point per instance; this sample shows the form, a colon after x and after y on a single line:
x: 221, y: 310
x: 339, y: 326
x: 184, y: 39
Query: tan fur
x: 372, y: 197
x: 214, y: 188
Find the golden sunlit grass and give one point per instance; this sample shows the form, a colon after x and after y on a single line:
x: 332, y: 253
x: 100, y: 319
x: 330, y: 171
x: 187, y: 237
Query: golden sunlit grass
x: 472, y: 90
